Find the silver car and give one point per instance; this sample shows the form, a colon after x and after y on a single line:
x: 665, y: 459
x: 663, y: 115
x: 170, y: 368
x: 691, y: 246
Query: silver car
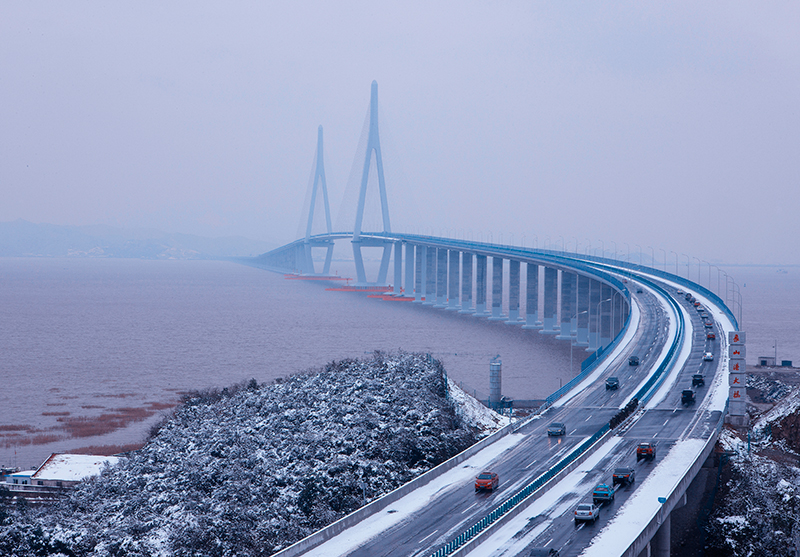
x: 557, y: 428
x: 587, y: 512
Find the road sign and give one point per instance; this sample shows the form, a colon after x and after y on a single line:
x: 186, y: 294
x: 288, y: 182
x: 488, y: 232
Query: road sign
x: 737, y: 351
x: 737, y: 380
x: 736, y: 337
x: 737, y: 366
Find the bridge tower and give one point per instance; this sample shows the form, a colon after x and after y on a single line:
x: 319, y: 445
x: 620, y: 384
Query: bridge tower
x: 373, y: 145
x: 319, y: 183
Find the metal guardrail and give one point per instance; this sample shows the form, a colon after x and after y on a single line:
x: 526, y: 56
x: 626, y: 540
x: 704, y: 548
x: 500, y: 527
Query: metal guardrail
x: 518, y: 498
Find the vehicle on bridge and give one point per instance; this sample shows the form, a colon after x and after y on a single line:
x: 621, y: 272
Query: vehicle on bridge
x: 711, y: 335
x: 543, y: 552
x: 687, y: 397
x: 633, y: 361
x: 708, y: 357
x: 612, y: 383
x: 698, y: 380
x: 603, y: 493
x: 587, y: 512
x: 557, y: 428
x: 646, y: 450
x: 624, y: 475
x: 487, y: 480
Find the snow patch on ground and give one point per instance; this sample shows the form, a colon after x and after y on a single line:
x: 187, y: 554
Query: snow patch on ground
x: 474, y: 413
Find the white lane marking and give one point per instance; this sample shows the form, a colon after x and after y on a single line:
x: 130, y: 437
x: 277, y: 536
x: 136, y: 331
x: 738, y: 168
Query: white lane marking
x: 587, y: 419
x: 665, y: 423
x: 531, y: 464
x: 429, y: 535
x: 468, y: 508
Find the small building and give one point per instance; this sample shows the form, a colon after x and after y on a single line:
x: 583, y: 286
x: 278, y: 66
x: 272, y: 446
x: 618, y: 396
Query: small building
x: 66, y: 470
x: 766, y: 361
x: 19, y: 477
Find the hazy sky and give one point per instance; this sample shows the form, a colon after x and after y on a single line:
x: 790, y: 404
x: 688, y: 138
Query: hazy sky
x: 666, y: 125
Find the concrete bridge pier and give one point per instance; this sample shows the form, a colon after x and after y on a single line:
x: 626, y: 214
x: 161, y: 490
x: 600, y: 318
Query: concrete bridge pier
x: 453, y: 279
x: 513, y: 292
x: 532, y: 298
x: 441, y: 278
x: 606, y: 314
x: 497, y: 289
x: 409, y: 283
x: 398, y: 269
x: 550, y: 301
x: 430, y: 275
x: 659, y: 545
x: 466, y: 283
x: 594, y: 317
x: 419, y: 273
x: 480, y: 284
x: 568, y: 304
x: 582, y: 309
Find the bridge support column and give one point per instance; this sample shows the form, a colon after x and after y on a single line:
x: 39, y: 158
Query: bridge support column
x: 480, y: 284
x: 568, y: 304
x: 466, y: 283
x: 532, y: 298
x: 453, y: 279
x: 419, y: 274
x: 513, y: 292
x: 497, y: 289
x: 550, y: 301
x: 582, y: 338
x: 398, y: 268
x: 662, y: 539
x: 409, y: 285
x: 430, y: 276
x: 441, y: 278
x: 594, y: 317
x: 606, y: 317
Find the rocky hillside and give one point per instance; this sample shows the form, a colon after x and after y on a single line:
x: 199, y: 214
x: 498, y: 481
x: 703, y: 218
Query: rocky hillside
x: 249, y: 470
x: 757, y: 509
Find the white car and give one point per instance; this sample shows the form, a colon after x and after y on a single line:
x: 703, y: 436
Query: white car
x: 587, y: 512
x: 708, y: 357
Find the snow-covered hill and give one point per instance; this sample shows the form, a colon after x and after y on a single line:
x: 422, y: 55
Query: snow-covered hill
x: 757, y: 509
x: 251, y: 469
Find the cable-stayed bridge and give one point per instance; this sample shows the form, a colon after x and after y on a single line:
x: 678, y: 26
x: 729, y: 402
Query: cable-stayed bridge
x: 615, y: 310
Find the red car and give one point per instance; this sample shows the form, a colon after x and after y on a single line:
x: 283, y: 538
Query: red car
x: 487, y: 480
x: 711, y: 336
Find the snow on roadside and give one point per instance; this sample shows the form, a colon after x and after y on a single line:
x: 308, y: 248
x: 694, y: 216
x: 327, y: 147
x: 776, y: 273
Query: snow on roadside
x: 473, y: 412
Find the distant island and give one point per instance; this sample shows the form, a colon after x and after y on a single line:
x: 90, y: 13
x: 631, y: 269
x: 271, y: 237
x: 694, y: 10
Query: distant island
x: 21, y: 238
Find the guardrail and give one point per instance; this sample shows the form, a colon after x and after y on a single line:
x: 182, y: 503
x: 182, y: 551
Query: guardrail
x: 517, y: 499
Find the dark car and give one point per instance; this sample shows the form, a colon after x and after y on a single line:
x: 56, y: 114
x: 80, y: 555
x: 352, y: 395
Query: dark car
x: 557, y: 428
x: 603, y: 493
x: 639, y: 291
x: 487, y: 480
x: 612, y: 383
x: 711, y: 335
x: 687, y: 397
x: 633, y: 361
x: 543, y: 552
x: 698, y: 380
x: 624, y: 475
x: 688, y: 297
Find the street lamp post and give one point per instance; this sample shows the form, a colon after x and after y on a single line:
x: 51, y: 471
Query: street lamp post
x: 676, y: 263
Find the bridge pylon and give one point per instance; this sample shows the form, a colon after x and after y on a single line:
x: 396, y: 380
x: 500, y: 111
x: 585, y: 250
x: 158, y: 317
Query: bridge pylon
x: 373, y: 145
x: 319, y: 183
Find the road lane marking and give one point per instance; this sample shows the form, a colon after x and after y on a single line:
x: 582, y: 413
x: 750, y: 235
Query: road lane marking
x: 665, y: 423
x: 428, y: 536
x: 468, y: 508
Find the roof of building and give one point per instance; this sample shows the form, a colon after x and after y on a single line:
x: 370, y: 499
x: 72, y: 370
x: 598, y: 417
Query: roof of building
x: 73, y: 467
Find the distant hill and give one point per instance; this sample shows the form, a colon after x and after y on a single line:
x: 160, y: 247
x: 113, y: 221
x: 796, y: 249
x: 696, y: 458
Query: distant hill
x: 26, y: 239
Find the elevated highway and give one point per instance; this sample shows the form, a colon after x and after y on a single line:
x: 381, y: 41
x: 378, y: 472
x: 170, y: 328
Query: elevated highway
x: 611, y: 309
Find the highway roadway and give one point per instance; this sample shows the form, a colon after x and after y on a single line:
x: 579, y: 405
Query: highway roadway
x: 457, y: 506
x: 665, y: 423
